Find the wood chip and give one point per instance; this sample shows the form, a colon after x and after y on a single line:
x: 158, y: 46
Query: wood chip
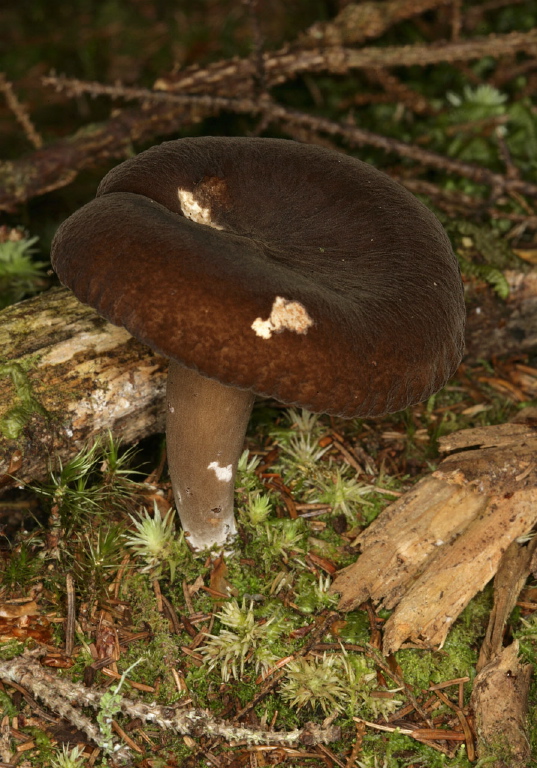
x: 432, y: 550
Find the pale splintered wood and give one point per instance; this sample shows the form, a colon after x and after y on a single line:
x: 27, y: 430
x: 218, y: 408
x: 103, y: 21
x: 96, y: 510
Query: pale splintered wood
x: 404, y: 537
x: 431, y: 551
x: 66, y: 376
x: 458, y: 571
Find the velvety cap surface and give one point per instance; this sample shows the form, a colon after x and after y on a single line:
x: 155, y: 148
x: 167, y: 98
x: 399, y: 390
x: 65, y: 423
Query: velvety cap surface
x: 288, y: 269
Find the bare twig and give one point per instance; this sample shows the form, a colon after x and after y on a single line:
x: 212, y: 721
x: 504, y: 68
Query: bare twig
x: 71, y: 615
x: 361, y: 21
x: 237, y: 75
x: 20, y: 112
x: 58, y: 164
x: 57, y: 692
x: 27, y: 672
x: 278, y: 113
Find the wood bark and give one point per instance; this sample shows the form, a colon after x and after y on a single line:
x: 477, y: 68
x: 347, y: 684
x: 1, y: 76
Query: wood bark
x: 66, y: 376
x: 432, y: 550
x: 515, y: 567
x: 500, y: 703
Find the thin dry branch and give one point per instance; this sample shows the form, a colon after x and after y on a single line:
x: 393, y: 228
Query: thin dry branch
x: 58, y: 164
x: 237, y: 75
x: 276, y: 113
x: 361, y: 21
x: 20, y: 112
x: 57, y: 693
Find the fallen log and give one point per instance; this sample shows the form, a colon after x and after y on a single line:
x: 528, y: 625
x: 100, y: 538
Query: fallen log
x: 66, y: 376
x: 437, y: 546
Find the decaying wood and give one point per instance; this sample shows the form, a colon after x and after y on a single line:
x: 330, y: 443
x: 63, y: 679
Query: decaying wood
x: 500, y: 703
x: 431, y: 551
x: 67, y: 375
x: 515, y: 567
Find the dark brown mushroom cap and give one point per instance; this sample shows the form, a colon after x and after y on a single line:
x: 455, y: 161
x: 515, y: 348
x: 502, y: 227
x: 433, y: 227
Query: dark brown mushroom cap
x: 320, y: 281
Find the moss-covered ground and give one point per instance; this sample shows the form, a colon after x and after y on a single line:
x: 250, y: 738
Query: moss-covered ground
x: 217, y: 634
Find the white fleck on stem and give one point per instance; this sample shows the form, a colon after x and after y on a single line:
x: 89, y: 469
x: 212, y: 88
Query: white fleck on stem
x: 224, y: 474
x: 205, y: 427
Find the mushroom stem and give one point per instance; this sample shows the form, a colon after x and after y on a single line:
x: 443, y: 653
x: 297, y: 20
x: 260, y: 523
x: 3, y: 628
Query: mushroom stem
x: 205, y: 426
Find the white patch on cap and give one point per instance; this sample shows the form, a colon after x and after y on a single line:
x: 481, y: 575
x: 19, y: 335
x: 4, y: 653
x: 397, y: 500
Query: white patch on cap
x: 285, y: 315
x: 193, y: 210
x: 223, y: 473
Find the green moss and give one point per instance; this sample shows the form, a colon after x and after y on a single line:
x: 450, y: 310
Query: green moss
x: 396, y: 750
x: 271, y: 569
x: 15, y: 419
x: 458, y: 656
x: 356, y: 629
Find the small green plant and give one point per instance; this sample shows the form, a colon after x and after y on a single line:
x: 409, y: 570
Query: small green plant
x: 315, y: 683
x: 20, y: 274
x: 155, y: 541
x: 89, y: 484
x: 297, y: 422
x: 343, y: 493
x: 478, y: 102
x: 335, y: 682
x: 98, y: 557
x: 303, y: 421
x: 66, y: 758
x: 109, y: 707
x: 249, y: 642
x: 258, y: 508
x: 21, y: 567
x: 283, y: 537
x: 72, y: 491
x: 116, y: 468
x: 314, y: 595
x: 246, y: 477
x: 301, y: 456
x: 15, y: 418
x: 494, y: 277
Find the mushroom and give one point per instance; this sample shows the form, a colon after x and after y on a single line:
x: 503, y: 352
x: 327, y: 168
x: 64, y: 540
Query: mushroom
x: 264, y: 267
